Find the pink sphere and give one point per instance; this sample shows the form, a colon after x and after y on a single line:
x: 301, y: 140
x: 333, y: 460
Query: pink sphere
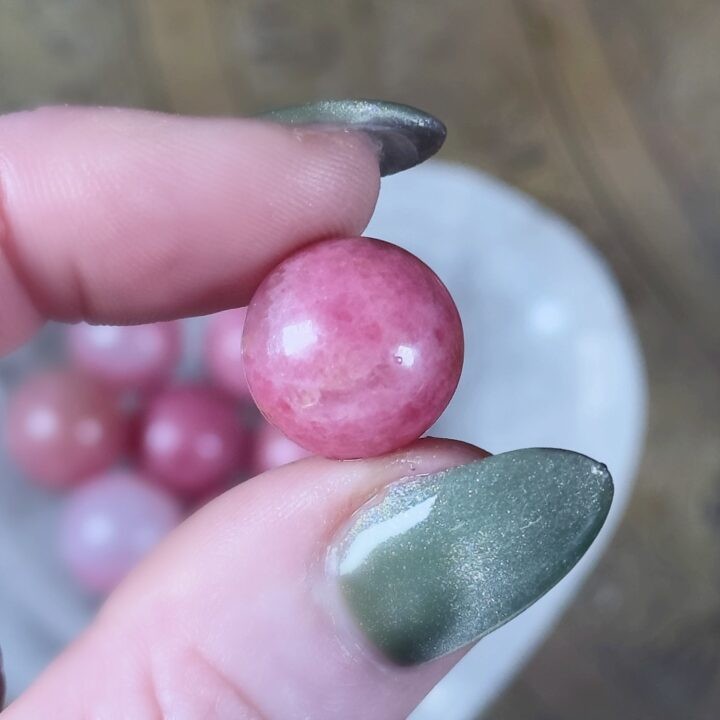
x: 110, y: 523
x: 126, y: 357
x: 223, y: 352
x: 62, y: 427
x: 273, y: 449
x: 352, y: 347
x: 192, y: 439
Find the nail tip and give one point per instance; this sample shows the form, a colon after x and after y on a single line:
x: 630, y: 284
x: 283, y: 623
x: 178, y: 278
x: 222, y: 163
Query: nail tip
x: 406, y: 135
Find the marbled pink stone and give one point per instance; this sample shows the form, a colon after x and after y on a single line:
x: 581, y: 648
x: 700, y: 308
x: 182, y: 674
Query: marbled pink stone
x: 62, y: 427
x: 352, y: 348
x: 110, y: 523
x: 126, y: 357
x: 273, y: 449
x: 223, y: 352
x: 192, y: 439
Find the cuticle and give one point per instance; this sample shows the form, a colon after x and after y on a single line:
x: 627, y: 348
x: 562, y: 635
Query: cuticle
x: 351, y: 639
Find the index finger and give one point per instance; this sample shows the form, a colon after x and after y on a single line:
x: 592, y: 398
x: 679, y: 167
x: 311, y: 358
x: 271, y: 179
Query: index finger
x: 122, y: 216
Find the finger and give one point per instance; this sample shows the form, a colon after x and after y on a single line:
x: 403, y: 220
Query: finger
x: 123, y: 216
x: 319, y: 590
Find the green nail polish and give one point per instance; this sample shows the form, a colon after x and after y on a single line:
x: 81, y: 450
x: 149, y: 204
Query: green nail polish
x: 405, y: 135
x: 439, y: 561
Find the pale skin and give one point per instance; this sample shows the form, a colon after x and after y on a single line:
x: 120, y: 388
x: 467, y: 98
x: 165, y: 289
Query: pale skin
x: 117, y: 216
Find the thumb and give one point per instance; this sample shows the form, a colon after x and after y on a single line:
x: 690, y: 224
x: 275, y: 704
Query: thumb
x: 329, y: 589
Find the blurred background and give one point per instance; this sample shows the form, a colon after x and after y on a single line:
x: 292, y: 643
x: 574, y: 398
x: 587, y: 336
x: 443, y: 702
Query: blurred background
x: 607, y: 111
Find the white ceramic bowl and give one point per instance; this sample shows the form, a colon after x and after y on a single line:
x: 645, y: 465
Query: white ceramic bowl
x: 551, y: 360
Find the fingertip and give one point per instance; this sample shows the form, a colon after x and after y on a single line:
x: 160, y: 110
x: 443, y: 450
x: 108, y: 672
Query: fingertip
x: 100, y: 203
x: 239, y: 599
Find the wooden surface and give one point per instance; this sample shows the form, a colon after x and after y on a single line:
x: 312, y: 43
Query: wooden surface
x: 607, y: 111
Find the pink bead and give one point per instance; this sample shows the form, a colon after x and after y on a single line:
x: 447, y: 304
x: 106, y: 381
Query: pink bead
x: 223, y: 352
x: 62, y: 427
x: 192, y: 439
x: 273, y: 449
x: 126, y: 357
x: 352, y: 347
x: 110, y: 523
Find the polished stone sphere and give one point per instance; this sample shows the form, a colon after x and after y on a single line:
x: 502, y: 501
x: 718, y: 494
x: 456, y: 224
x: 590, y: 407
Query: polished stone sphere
x: 133, y: 357
x: 223, y: 352
x: 352, y: 347
x: 109, y: 524
x: 272, y: 449
x: 61, y: 427
x: 192, y: 440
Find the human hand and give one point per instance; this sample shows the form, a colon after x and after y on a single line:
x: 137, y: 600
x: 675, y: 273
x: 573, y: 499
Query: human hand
x: 266, y: 603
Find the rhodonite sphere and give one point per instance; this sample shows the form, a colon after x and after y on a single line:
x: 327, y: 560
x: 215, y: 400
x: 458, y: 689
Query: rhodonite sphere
x: 126, y: 357
x: 223, y: 352
x: 61, y: 427
x: 273, y: 449
x: 192, y: 439
x: 110, y: 523
x: 352, y: 347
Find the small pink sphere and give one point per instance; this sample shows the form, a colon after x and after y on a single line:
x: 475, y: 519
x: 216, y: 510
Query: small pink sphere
x: 62, y: 427
x: 192, y: 439
x: 273, y: 449
x: 352, y: 348
x: 223, y: 352
x: 126, y: 357
x: 111, y: 523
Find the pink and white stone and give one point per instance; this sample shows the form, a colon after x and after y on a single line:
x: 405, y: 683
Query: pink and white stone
x: 223, y: 352
x: 62, y: 427
x: 109, y: 524
x: 126, y: 357
x: 352, y: 347
x: 273, y: 449
x: 192, y: 439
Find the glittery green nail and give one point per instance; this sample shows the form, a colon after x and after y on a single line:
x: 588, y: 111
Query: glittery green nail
x: 405, y: 135
x: 437, y: 562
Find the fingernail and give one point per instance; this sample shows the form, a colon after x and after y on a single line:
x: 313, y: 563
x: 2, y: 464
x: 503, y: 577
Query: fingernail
x: 436, y: 562
x: 404, y: 135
